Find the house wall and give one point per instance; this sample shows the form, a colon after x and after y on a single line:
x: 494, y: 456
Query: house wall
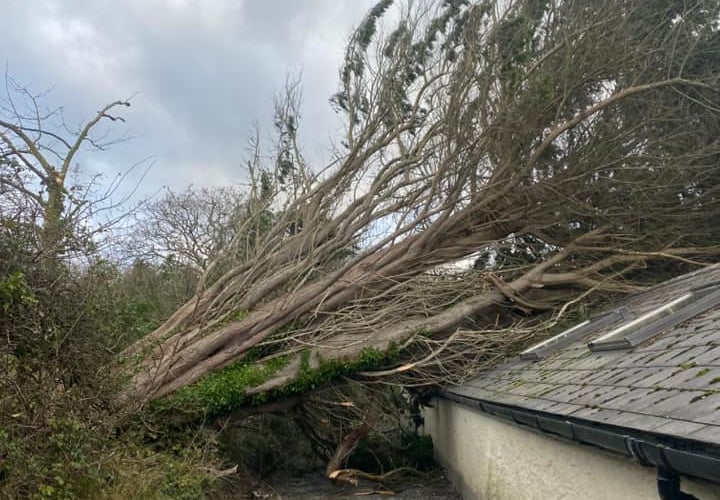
x: 490, y: 459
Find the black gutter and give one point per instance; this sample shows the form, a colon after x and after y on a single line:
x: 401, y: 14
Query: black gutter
x: 671, y: 455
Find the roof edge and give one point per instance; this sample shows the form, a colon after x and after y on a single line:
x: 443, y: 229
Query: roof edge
x: 688, y: 457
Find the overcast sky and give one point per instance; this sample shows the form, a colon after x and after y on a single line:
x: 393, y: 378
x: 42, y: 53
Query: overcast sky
x: 203, y: 71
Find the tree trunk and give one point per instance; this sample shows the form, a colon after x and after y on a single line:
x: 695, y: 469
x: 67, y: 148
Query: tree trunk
x: 51, y: 235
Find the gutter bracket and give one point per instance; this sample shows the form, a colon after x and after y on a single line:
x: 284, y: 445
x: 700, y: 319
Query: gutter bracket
x: 635, y: 451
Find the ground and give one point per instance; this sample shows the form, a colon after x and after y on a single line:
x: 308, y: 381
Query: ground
x: 429, y: 486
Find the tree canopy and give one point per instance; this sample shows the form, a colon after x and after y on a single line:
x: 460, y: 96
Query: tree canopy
x: 580, y: 137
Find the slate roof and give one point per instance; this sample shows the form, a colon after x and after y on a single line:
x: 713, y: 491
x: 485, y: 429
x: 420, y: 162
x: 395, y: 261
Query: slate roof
x: 669, y: 384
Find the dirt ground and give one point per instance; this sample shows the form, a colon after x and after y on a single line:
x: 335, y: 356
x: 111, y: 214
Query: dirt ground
x: 429, y: 486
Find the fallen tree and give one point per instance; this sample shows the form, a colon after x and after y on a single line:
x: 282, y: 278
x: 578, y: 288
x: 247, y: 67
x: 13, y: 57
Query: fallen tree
x: 565, y: 146
x: 502, y: 169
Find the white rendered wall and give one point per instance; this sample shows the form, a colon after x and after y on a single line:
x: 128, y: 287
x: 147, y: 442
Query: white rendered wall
x: 490, y: 459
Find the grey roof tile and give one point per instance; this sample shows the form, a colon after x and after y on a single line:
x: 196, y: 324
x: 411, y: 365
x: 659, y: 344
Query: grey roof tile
x: 658, y: 378
x: 473, y: 392
x: 698, y: 377
x: 711, y: 356
x: 660, y: 343
x: 567, y: 393
x: 597, y: 415
x: 634, y: 359
x: 649, y: 376
x: 632, y: 400
x: 665, y: 402
x: 709, y: 434
x: 597, y: 394
x: 670, y: 384
x: 675, y: 356
x: 615, y: 393
x: 562, y: 408
x: 628, y: 419
x: 539, y: 404
x: 703, y: 408
x: 596, y: 376
x: 681, y: 428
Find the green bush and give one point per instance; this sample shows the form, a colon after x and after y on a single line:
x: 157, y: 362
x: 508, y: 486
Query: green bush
x: 62, y: 323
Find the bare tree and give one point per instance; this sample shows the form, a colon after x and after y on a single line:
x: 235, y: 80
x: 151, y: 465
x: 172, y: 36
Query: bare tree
x: 38, y: 151
x: 589, y: 128
x: 191, y: 226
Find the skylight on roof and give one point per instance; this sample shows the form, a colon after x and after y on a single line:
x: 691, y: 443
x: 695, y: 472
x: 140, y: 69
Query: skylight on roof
x: 532, y: 352
x: 659, y: 319
x: 577, y: 332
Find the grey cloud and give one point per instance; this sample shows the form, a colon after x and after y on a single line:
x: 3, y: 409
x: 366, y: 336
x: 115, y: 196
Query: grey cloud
x: 203, y: 71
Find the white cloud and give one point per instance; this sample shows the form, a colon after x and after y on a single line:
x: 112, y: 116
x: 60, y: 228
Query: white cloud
x: 75, y: 50
x: 204, y: 72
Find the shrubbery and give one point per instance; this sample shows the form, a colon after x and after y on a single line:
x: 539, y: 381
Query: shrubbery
x: 61, y: 324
